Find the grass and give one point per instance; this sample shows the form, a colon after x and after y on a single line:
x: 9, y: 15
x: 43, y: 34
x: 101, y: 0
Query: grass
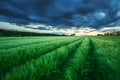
x: 60, y: 58
x: 21, y: 54
x: 107, y: 50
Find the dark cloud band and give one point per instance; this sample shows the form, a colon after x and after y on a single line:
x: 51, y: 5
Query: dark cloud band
x: 79, y: 13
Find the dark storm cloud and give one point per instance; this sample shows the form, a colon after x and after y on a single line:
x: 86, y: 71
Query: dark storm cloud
x: 61, y: 13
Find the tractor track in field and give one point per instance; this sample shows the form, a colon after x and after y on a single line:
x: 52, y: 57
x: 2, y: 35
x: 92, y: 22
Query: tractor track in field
x: 8, y: 69
x: 97, y: 59
x: 91, y: 65
x: 62, y: 65
x: 70, y: 56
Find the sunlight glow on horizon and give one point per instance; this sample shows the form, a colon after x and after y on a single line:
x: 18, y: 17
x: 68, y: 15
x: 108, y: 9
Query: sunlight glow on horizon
x: 77, y: 31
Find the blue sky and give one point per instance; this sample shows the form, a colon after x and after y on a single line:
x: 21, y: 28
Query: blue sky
x: 61, y: 14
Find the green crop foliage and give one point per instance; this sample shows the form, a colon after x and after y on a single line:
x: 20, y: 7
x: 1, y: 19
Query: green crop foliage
x: 60, y: 58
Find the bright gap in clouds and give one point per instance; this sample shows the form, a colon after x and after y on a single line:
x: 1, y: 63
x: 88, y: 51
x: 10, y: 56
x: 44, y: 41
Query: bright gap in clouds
x: 102, y: 14
x: 118, y: 13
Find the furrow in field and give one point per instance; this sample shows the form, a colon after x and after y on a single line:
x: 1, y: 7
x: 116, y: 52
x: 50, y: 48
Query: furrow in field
x: 15, y: 39
x: 16, y: 58
x: 32, y: 44
x: 24, y: 43
x: 40, y: 67
x: 82, y: 66
x: 12, y: 39
x: 56, y: 73
x: 22, y: 47
x: 92, y: 64
x: 72, y: 68
x: 21, y: 42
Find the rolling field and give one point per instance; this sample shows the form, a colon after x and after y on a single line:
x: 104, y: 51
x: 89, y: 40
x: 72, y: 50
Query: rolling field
x: 60, y: 58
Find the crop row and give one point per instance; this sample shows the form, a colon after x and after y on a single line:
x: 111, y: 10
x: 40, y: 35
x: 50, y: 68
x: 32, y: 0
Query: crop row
x: 16, y: 56
x: 107, y: 52
x: 23, y: 42
x: 35, y: 69
x: 60, y: 58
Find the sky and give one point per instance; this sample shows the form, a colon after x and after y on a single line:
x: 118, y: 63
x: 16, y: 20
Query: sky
x: 60, y: 16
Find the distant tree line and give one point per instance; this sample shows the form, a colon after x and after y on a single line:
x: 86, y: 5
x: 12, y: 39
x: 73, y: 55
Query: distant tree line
x: 113, y: 33
x: 19, y: 33
x: 73, y: 34
x: 110, y: 33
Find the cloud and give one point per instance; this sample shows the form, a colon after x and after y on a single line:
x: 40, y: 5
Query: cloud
x: 32, y: 28
x: 38, y: 26
x: 79, y: 13
x: 14, y: 27
x: 51, y: 29
x: 110, y: 29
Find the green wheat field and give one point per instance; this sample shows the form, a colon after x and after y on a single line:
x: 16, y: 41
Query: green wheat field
x: 60, y: 58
